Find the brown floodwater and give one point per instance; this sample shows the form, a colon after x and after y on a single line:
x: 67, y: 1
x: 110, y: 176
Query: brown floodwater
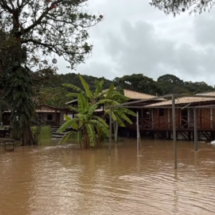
x: 63, y: 180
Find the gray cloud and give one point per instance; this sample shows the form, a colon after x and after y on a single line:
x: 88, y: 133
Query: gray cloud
x: 139, y: 49
x: 136, y: 38
x: 204, y: 29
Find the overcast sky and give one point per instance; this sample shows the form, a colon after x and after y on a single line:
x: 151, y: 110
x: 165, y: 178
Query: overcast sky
x: 137, y: 38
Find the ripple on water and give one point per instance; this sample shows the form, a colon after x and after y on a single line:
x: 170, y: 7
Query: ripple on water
x: 62, y: 180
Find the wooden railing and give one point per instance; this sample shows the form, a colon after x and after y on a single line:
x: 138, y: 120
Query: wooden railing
x: 156, y: 124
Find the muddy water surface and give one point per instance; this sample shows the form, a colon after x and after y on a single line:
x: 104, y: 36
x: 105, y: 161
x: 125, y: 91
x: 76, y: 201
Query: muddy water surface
x: 62, y: 180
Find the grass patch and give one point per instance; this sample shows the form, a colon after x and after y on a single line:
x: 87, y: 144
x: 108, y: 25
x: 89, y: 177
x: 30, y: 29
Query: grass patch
x: 42, y: 134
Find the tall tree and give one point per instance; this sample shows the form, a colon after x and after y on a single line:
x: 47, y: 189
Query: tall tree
x: 178, y: 6
x: 48, y: 26
x: 139, y: 83
x: 171, y: 84
x: 37, y: 29
x: 18, y: 93
x: 16, y: 85
x: 170, y: 79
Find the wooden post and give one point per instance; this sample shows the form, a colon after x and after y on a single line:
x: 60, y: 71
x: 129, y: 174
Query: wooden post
x: 195, y: 130
x: 168, y: 118
x: 200, y: 118
x: 152, y: 114
x: 110, y: 127
x: 188, y: 118
x: 138, y: 133
x: 174, y: 130
x: 116, y: 132
x: 211, y: 118
x: 158, y: 114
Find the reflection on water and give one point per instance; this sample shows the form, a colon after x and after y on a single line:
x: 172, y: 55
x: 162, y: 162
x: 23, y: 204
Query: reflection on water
x: 63, y: 180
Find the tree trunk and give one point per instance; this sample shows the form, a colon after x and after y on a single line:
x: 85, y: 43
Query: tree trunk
x: 80, y: 144
x: 116, y: 132
x: 99, y: 140
x: 27, y: 137
x: 85, y: 139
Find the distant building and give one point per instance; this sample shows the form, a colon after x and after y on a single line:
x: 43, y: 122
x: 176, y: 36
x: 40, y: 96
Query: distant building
x: 45, y: 114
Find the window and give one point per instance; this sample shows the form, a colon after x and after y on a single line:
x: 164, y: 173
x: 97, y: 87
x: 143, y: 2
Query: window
x: 161, y: 112
x: 49, y: 117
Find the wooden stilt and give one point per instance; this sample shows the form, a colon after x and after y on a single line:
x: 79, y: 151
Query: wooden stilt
x: 195, y: 130
x: 174, y: 131
x: 110, y: 127
x: 138, y: 134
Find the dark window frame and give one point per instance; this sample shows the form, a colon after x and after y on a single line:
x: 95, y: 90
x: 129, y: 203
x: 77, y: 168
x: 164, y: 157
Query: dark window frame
x: 49, y: 117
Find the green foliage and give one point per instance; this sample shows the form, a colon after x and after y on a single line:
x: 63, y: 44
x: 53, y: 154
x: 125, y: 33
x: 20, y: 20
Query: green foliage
x: 30, y: 31
x: 3, y: 105
x: 16, y: 84
x: 10, y: 51
x: 46, y: 27
x: 171, y: 79
x: 44, y: 134
x: 93, y: 96
x: 139, y: 83
x: 172, y: 84
x: 86, y: 121
x: 18, y: 94
x: 179, y: 6
x: 56, y: 80
x: 105, y: 98
x: 165, y: 84
x: 52, y: 93
x: 53, y: 96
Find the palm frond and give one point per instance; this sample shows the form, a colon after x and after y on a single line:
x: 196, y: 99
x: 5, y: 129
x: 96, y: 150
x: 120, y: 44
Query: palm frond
x: 113, y: 116
x: 108, y: 102
x: 77, y: 89
x: 101, y: 121
x: 86, y: 87
x: 65, y: 138
x: 99, y: 87
x: 110, y: 91
x: 92, y: 109
x: 127, y: 111
x: 72, y: 95
x: 119, y: 121
x: 123, y: 117
x: 78, y: 137
x: 70, y: 123
x: 83, y: 103
x: 91, y: 133
x: 73, y: 108
x: 100, y: 126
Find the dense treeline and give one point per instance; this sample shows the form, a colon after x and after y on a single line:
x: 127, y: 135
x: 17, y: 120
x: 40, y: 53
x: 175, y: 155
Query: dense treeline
x: 52, y: 92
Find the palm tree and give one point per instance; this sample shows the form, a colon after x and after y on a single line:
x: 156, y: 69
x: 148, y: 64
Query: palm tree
x: 109, y: 98
x: 89, y: 101
x: 85, y: 123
